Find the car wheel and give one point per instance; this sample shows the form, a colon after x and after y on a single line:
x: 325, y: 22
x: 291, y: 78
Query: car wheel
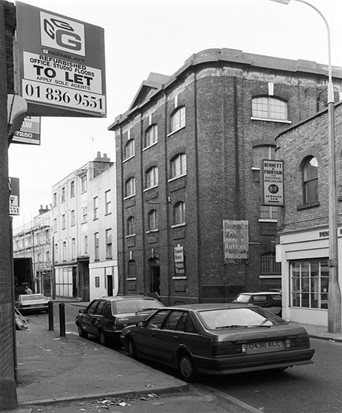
x: 131, y: 348
x: 103, y: 338
x: 187, y: 368
x: 81, y: 332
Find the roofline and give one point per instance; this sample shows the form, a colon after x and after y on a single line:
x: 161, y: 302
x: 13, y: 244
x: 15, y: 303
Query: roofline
x: 238, y: 57
x: 309, y: 119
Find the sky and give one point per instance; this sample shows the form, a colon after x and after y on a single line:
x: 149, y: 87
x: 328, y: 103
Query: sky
x: 144, y: 36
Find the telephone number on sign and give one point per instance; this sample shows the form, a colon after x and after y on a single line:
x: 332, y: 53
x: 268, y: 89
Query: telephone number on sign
x: 63, y: 97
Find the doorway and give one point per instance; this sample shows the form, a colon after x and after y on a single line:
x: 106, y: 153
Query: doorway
x: 154, y: 276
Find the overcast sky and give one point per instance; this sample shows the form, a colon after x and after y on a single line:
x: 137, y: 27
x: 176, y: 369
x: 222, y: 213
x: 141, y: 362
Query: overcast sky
x: 143, y: 36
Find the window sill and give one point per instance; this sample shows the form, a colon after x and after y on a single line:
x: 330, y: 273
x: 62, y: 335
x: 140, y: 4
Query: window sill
x: 176, y: 177
x: 127, y: 159
x: 175, y: 131
x: 271, y: 120
x: 150, y: 146
x: 313, y: 204
x: 152, y: 231
x: 130, y: 236
x: 267, y: 220
x: 131, y: 279
x: 178, y: 225
x: 129, y: 196
x: 150, y: 187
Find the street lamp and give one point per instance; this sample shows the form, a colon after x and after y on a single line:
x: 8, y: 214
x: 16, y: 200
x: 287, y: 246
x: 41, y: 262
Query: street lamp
x: 334, y: 293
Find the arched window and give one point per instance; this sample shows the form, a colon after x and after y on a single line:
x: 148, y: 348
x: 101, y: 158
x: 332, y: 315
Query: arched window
x: 130, y: 226
x: 178, y: 165
x: 179, y: 213
x: 178, y: 119
x: 151, y: 136
x: 152, y: 219
x: 266, y: 107
x: 151, y: 177
x: 129, y: 149
x: 310, y: 180
x: 130, y: 187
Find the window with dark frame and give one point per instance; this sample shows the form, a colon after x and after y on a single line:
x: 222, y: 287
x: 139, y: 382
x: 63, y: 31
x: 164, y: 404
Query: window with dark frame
x: 310, y: 180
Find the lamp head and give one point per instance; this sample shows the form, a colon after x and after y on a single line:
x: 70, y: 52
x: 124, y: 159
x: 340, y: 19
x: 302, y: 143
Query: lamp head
x: 282, y: 1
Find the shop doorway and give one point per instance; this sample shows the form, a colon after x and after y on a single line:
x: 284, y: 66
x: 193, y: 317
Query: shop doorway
x: 154, y: 276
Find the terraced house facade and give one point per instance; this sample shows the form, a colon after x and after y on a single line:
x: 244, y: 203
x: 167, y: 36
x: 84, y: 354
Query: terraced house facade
x: 190, y: 223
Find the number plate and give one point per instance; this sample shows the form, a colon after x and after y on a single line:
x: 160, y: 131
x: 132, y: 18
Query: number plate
x: 264, y: 347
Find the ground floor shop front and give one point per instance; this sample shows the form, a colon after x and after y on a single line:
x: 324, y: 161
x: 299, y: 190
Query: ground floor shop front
x: 304, y: 257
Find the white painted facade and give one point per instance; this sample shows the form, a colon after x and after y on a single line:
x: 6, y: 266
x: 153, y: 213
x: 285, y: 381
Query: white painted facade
x: 103, y: 265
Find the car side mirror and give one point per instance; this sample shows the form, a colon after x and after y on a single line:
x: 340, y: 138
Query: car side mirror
x: 83, y: 310
x: 141, y: 324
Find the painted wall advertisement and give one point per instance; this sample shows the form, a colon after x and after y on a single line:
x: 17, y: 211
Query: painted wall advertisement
x: 61, y: 64
x: 235, y: 240
x: 272, y: 182
x: 179, y: 260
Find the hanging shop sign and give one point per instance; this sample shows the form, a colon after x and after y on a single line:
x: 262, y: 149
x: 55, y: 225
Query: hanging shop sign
x: 14, y: 200
x: 29, y: 132
x: 272, y: 182
x: 61, y: 64
x: 235, y: 240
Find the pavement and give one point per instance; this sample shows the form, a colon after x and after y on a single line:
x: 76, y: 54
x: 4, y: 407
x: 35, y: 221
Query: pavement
x: 70, y: 374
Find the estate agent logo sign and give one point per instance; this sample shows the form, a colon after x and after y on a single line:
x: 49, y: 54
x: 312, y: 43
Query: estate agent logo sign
x: 61, y: 64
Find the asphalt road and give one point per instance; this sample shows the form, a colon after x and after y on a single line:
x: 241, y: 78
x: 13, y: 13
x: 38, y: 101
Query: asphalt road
x: 302, y: 389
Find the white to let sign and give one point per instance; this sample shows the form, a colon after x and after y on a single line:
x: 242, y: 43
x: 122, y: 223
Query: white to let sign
x: 61, y: 64
x: 235, y: 240
x: 272, y: 182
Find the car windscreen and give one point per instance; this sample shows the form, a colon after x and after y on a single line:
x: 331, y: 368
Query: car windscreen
x: 133, y: 306
x: 242, y: 298
x: 238, y: 317
x: 32, y: 297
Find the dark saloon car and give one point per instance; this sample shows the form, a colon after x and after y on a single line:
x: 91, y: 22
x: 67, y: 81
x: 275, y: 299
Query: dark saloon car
x: 270, y: 300
x: 32, y: 303
x: 218, y: 339
x: 106, y: 317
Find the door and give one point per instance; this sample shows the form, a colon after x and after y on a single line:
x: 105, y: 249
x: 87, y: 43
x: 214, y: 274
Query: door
x: 154, y: 276
x: 109, y: 285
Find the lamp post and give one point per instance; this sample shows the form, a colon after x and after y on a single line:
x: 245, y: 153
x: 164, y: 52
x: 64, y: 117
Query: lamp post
x: 334, y: 294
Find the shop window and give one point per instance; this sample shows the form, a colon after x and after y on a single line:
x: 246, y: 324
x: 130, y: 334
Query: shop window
x: 309, y: 283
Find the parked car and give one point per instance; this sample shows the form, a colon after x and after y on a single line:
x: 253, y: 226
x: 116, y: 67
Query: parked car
x: 218, y: 339
x: 32, y: 303
x: 271, y: 300
x: 106, y: 317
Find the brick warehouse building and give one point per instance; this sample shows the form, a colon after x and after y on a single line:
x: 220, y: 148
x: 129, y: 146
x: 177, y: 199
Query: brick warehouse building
x: 188, y: 159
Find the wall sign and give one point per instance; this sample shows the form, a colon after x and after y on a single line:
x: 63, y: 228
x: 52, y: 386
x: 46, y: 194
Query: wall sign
x: 61, y: 64
x: 235, y: 240
x: 272, y: 182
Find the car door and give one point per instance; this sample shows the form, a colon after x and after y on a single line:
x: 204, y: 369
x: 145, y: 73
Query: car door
x: 87, y: 319
x: 145, y: 337
x: 97, y: 317
x: 168, y: 338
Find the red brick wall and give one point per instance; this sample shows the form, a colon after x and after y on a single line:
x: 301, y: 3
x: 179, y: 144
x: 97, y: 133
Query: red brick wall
x: 6, y: 303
